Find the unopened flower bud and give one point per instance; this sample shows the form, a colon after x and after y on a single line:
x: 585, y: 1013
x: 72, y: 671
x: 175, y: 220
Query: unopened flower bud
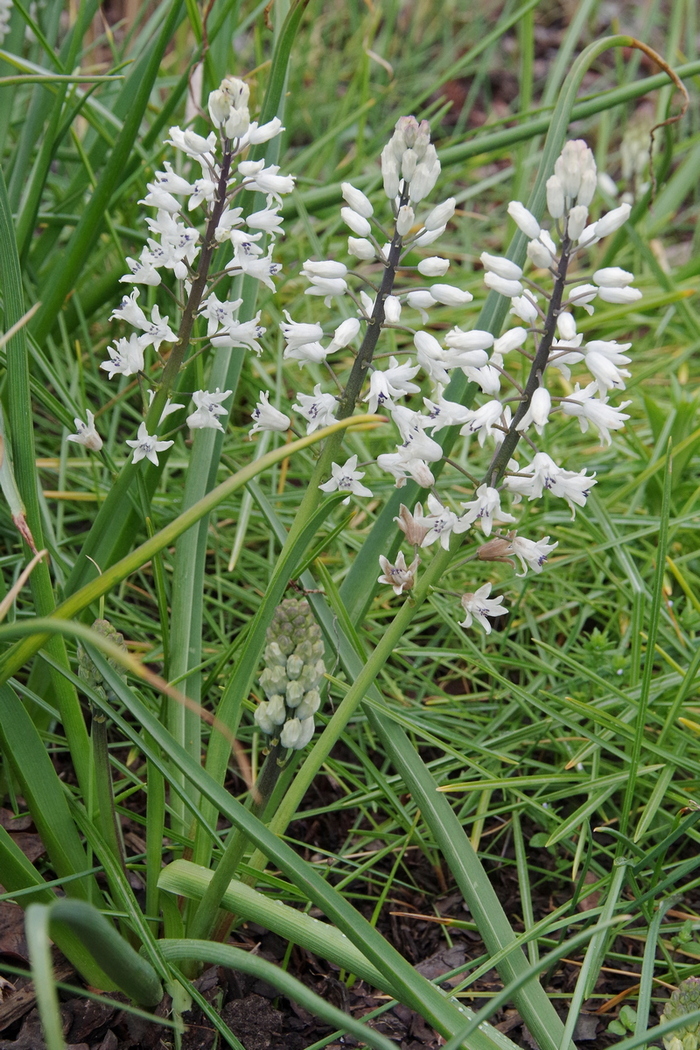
x: 440, y: 215
x: 503, y: 267
x: 357, y: 200
x: 613, y: 220
x: 405, y: 220
x: 361, y: 248
x: 524, y: 219
x: 435, y: 266
x: 497, y: 549
x: 392, y: 309
x: 555, y: 197
x: 357, y: 223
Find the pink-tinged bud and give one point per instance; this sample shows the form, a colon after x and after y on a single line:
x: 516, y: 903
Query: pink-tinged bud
x: 412, y: 524
x: 356, y: 200
x: 497, y: 549
x: 524, y: 219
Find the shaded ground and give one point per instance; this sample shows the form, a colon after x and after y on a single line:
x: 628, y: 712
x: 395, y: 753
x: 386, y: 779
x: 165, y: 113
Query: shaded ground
x: 416, y: 921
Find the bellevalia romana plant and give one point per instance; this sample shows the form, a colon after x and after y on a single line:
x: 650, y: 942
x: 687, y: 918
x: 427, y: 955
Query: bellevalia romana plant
x: 214, y: 217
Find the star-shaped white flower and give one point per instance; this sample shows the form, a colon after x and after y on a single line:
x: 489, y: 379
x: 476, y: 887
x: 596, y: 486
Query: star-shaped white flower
x: 208, y: 407
x: 479, y: 606
x: 346, y: 479
x: 147, y: 447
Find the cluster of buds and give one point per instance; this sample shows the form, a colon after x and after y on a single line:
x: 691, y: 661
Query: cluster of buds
x: 88, y: 672
x: 5, y: 15
x: 176, y: 245
x: 292, y: 676
x: 545, y: 336
x: 684, y: 1000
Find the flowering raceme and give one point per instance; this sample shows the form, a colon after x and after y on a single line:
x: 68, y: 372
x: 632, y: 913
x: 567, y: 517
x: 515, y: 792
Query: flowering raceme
x: 545, y: 336
x: 181, y: 254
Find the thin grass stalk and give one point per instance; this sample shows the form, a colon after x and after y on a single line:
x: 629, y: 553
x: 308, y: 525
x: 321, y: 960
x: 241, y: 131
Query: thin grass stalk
x: 652, y: 634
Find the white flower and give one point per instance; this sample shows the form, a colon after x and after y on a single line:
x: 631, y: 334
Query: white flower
x: 510, y: 271
x: 595, y: 410
x: 524, y: 307
x: 344, y: 334
x: 538, y: 411
x: 170, y: 407
x: 146, y: 446
x: 218, y: 312
x: 307, y: 352
x: 445, y: 413
x: 192, y: 144
x: 266, y: 219
x: 399, y: 576
x: 544, y: 474
x: 86, y: 433
x: 477, y: 339
x: 435, y: 266
x: 357, y: 223
x: 126, y: 356
x: 483, y: 420
x: 524, y: 219
x: 357, y: 200
x: 297, y: 333
x: 478, y: 606
x: 531, y: 554
x: 346, y: 479
x: 442, y: 521
x: 319, y: 410
x: 612, y: 221
x: 502, y: 285
x: 392, y: 309
x: 486, y: 509
x: 361, y: 248
x: 157, y: 330
x: 241, y: 333
x: 257, y: 177
x: 394, y: 381
x: 405, y: 220
x: 513, y: 339
x: 267, y: 417
x: 441, y: 214
x: 448, y: 295
x: 208, y: 407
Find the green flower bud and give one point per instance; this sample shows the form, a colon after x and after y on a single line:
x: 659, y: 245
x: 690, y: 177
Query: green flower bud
x: 684, y: 1000
x: 86, y: 668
